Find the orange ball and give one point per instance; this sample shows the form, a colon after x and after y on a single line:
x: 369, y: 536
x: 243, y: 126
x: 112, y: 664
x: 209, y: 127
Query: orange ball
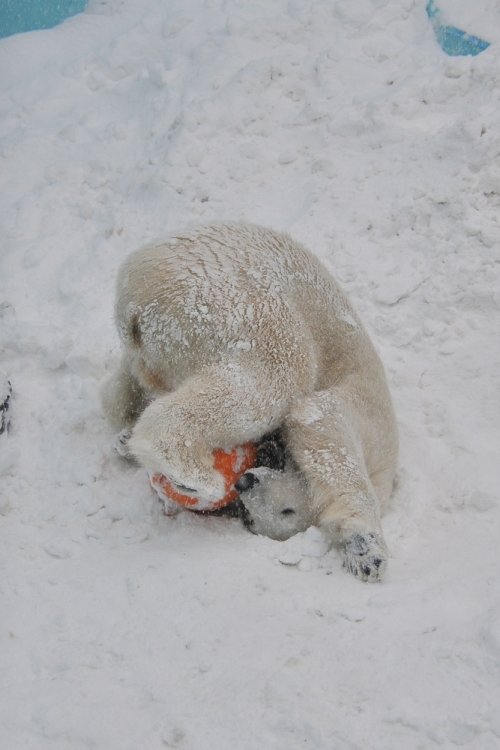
x: 231, y: 464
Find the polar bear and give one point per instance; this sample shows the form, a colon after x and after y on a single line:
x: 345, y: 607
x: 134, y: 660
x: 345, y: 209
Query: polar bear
x: 231, y: 331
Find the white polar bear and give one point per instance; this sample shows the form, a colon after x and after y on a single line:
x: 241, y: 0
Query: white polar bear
x: 231, y: 331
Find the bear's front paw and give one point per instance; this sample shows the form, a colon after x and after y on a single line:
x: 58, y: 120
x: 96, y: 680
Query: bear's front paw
x: 365, y: 556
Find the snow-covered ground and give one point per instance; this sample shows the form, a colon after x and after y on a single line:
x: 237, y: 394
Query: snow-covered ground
x: 343, y: 123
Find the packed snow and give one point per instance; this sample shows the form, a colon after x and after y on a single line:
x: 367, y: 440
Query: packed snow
x: 346, y: 125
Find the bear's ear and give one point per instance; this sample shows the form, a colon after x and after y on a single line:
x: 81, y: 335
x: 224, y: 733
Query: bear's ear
x: 271, y: 452
x: 246, y: 482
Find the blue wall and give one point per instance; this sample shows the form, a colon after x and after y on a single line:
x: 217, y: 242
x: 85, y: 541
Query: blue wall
x: 28, y: 15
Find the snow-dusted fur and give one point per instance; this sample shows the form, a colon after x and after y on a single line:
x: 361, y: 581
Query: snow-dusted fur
x: 231, y: 331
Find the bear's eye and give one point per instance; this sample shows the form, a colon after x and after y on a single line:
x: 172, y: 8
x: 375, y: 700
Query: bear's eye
x: 287, y: 511
x: 246, y: 482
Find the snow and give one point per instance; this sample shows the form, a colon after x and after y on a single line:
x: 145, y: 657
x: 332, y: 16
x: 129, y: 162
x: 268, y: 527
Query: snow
x: 479, y: 18
x: 344, y: 124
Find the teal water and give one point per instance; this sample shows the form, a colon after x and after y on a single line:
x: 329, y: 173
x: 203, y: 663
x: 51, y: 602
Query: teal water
x: 29, y: 15
x: 453, y: 41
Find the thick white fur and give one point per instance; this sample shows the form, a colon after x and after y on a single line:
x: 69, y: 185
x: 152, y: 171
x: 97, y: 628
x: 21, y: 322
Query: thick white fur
x: 233, y: 330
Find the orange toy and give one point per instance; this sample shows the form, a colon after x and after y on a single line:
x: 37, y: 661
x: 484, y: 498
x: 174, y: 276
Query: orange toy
x: 231, y: 464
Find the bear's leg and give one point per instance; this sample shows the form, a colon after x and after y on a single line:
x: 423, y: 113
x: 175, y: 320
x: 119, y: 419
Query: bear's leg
x: 123, y: 399
x: 223, y: 406
x: 322, y: 438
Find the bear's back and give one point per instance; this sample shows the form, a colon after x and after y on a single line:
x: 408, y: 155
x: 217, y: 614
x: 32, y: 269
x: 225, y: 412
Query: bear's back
x: 224, y: 289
